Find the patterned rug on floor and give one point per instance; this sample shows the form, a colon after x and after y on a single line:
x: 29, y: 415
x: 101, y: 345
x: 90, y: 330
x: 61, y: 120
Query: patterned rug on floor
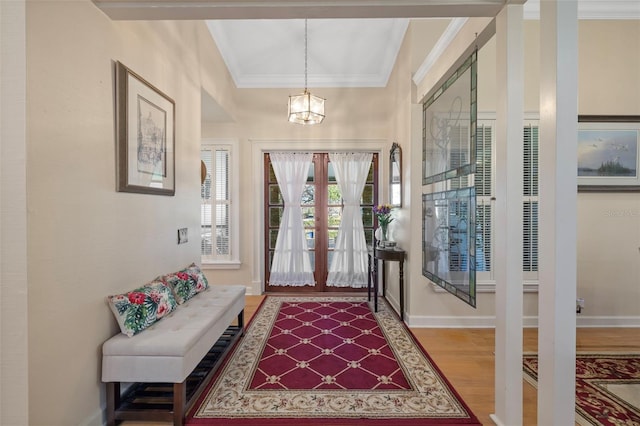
x: 607, y: 387
x: 329, y: 360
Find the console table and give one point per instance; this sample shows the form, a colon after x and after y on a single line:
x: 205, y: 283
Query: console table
x: 376, y: 254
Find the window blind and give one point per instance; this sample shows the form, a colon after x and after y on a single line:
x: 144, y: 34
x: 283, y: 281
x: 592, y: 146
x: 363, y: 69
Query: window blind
x: 215, y: 217
x: 530, y: 200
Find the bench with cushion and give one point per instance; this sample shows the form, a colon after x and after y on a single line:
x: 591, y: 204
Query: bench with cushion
x: 168, y: 348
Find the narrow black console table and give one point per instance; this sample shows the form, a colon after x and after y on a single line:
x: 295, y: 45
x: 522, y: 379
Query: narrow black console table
x: 376, y: 254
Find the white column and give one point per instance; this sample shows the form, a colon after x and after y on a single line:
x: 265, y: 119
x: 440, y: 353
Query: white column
x: 14, y: 358
x: 557, y: 221
x: 508, y: 264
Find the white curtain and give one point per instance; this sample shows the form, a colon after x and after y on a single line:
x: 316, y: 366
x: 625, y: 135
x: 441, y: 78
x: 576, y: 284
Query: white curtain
x: 291, y: 265
x: 349, y: 264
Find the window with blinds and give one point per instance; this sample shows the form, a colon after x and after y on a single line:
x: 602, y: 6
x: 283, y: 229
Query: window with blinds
x: 530, y: 200
x: 215, y: 194
x: 484, y: 195
x: 484, y: 184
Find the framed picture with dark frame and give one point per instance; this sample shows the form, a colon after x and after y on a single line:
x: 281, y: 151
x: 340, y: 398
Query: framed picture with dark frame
x: 608, y: 153
x: 145, y: 136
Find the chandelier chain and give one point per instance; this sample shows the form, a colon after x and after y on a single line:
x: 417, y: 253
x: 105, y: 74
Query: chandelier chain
x: 305, y: 55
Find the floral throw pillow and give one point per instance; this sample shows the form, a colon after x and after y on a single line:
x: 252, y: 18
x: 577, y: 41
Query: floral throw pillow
x: 140, y: 308
x: 201, y: 281
x: 186, y: 283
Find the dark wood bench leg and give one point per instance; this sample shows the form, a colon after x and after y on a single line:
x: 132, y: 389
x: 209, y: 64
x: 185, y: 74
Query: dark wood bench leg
x: 179, y: 402
x: 113, y: 402
x: 241, y: 319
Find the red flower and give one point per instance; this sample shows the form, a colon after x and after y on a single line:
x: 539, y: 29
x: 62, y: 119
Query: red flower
x: 162, y: 309
x: 136, y: 298
x: 183, y: 276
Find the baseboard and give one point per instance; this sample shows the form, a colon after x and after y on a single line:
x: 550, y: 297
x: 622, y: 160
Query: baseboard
x: 450, y: 321
x: 607, y: 321
x: 421, y: 321
x: 255, y: 289
x: 395, y: 304
x: 99, y: 418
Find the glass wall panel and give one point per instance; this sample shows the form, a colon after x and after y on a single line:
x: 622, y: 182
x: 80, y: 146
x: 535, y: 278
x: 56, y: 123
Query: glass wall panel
x: 449, y: 239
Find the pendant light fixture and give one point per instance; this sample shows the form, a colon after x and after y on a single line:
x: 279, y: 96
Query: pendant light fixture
x: 306, y: 108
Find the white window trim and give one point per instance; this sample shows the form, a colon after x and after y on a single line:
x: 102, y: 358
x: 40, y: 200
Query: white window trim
x: 234, y: 208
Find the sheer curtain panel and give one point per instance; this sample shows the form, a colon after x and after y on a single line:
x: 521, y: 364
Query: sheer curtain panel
x: 349, y: 264
x: 291, y: 264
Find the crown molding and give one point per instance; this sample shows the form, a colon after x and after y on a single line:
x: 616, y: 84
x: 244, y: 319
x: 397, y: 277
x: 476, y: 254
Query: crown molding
x: 439, y: 48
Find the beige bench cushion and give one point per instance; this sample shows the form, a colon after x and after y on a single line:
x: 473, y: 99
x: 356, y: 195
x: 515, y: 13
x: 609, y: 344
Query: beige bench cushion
x: 172, y: 347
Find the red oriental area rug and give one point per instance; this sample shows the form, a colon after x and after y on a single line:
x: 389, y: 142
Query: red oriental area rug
x: 607, y: 388
x: 327, y: 361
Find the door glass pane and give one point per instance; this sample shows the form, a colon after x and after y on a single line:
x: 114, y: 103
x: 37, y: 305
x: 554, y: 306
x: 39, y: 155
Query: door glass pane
x: 335, y: 217
x: 367, y: 195
x: 310, y: 236
x: 370, y: 177
x: 308, y: 195
x: 275, y: 196
x: 368, y: 236
x: 273, y: 236
x: 334, y: 195
x: 308, y: 217
x: 367, y: 217
x: 272, y: 174
x: 275, y: 215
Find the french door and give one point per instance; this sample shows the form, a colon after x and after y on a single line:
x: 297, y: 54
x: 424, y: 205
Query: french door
x: 321, y: 204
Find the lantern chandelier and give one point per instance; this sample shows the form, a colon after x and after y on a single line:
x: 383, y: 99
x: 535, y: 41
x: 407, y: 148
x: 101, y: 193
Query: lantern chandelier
x: 306, y: 108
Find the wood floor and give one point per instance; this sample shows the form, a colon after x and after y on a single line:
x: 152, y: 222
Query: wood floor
x: 465, y: 357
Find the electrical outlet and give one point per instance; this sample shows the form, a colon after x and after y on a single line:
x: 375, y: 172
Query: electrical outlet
x: 182, y: 236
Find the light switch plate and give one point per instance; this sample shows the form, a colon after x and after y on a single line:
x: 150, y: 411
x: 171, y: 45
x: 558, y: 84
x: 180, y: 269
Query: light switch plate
x: 182, y: 236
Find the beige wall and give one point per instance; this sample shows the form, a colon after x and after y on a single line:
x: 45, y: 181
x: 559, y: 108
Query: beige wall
x: 14, y: 366
x: 86, y: 241
x: 608, y: 224
x: 401, y: 89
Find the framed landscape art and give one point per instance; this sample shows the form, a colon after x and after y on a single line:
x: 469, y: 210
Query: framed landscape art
x: 608, y: 153
x: 145, y: 123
